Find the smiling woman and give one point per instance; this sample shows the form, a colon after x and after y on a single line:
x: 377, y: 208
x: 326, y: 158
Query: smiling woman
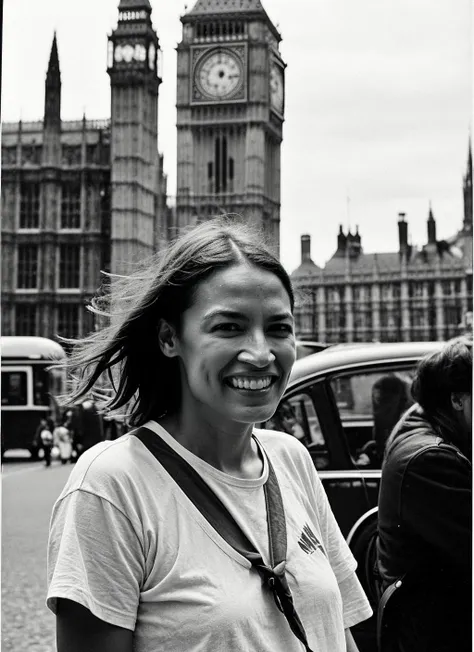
x: 200, y: 348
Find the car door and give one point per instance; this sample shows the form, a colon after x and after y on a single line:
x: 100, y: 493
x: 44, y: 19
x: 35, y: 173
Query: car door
x: 308, y: 413
x: 368, y: 401
x: 333, y: 416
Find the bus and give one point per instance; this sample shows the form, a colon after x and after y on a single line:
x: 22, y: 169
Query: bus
x: 29, y: 389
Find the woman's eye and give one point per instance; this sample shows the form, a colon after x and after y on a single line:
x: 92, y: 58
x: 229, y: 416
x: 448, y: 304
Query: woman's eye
x: 284, y: 329
x: 226, y: 327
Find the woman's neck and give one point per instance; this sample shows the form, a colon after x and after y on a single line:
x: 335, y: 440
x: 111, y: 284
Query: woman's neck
x: 230, y: 449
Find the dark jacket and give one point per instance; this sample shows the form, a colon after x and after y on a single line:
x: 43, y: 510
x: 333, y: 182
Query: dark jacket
x: 425, y: 535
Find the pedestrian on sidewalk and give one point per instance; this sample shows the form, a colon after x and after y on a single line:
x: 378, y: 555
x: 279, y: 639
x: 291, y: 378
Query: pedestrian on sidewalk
x: 63, y: 440
x: 47, y: 439
x: 425, y: 510
x: 199, y: 348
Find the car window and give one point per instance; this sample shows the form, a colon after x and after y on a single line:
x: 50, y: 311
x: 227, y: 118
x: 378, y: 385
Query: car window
x: 296, y: 416
x: 370, y: 404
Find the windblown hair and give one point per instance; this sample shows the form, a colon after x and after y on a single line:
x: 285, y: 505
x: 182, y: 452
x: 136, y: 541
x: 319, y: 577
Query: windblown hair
x: 440, y: 374
x: 144, y: 382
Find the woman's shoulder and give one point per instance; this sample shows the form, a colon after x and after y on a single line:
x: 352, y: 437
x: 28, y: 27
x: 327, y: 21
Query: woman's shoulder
x: 281, y: 444
x: 106, y: 466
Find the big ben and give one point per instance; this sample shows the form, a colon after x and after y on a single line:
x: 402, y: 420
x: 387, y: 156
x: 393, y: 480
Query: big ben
x: 133, y: 69
x: 230, y: 112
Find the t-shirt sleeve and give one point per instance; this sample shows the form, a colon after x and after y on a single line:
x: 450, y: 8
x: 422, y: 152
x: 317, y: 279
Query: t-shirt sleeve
x: 338, y: 552
x: 95, y: 558
x: 356, y: 607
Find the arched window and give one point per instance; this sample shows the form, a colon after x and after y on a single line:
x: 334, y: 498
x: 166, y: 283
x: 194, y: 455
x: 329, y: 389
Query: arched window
x: 221, y: 171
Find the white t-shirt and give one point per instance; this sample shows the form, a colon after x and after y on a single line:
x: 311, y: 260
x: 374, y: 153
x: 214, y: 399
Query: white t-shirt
x: 128, y: 544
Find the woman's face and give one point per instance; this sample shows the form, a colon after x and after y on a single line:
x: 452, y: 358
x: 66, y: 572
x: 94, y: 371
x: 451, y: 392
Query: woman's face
x: 236, y: 347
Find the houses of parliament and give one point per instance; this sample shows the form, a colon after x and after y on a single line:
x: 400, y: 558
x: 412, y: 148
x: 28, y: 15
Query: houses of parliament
x: 85, y: 196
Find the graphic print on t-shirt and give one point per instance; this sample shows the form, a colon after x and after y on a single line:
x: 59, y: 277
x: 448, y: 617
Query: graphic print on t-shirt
x: 308, y: 541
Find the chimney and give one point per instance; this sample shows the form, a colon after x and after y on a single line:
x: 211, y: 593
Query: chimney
x: 341, y: 242
x: 402, y: 233
x: 305, y: 249
x: 431, y: 228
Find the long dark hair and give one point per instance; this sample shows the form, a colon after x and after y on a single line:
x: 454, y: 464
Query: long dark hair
x: 144, y: 382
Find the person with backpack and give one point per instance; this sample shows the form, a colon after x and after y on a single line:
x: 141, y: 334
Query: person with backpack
x: 425, y: 512
x: 197, y: 530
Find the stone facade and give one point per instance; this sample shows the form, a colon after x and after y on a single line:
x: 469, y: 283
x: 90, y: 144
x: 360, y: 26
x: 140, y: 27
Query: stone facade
x: 409, y: 295
x: 81, y: 197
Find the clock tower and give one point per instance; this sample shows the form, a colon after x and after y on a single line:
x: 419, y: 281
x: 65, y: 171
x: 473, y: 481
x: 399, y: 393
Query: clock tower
x: 230, y: 110
x: 133, y: 50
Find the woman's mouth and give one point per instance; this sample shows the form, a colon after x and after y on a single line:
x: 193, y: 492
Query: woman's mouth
x: 250, y: 383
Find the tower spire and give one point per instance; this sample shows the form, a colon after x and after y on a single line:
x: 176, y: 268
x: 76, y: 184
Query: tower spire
x: 467, y: 191
x: 52, y: 100
x: 53, y: 65
x: 431, y: 224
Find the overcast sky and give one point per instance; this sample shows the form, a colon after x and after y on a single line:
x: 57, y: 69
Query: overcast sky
x: 378, y: 104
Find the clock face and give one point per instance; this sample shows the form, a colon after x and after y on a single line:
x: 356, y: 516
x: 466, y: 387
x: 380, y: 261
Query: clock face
x: 129, y: 52
x: 276, y: 87
x: 219, y: 74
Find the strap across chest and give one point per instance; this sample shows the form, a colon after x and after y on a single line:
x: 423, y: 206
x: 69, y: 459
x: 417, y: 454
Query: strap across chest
x: 215, y: 512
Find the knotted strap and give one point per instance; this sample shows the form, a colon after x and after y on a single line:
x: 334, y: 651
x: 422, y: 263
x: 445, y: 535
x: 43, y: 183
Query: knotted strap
x: 217, y: 514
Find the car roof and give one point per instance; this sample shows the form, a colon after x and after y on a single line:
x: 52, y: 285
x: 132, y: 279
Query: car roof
x: 340, y: 357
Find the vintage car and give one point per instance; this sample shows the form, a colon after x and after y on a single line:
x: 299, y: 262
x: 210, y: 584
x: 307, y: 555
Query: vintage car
x: 341, y: 403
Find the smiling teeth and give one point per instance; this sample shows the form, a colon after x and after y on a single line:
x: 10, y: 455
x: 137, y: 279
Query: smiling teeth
x: 251, y: 383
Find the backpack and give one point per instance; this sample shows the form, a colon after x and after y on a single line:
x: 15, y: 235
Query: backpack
x: 46, y: 437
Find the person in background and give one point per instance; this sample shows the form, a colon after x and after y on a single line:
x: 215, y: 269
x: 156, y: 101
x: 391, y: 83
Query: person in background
x: 200, y: 348
x: 290, y: 423
x: 63, y: 440
x: 47, y: 439
x: 390, y: 399
x: 425, y: 509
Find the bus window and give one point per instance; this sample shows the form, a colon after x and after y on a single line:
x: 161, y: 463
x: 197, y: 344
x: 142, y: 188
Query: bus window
x: 14, y: 385
x: 40, y: 385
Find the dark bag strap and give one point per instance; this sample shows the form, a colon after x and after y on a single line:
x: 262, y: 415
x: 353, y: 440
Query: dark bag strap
x: 216, y: 513
x: 383, y: 635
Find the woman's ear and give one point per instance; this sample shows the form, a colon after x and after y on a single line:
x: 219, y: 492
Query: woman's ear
x: 167, y: 339
x: 457, y: 401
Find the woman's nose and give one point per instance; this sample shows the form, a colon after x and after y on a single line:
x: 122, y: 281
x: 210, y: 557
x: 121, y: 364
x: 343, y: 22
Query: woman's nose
x: 257, y: 352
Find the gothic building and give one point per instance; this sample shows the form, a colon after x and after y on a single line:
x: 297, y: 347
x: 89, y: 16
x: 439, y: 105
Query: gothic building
x: 230, y: 110
x: 409, y: 295
x: 82, y: 196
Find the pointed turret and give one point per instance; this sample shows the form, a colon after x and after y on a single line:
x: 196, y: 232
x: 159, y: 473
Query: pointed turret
x: 431, y: 224
x: 467, y: 191
x: 52, y: 95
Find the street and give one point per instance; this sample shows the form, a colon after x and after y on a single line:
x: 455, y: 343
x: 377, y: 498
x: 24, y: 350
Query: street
x: 29, y: 490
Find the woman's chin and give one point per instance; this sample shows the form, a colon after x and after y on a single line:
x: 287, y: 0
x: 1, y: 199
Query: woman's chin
x: 254, y: 415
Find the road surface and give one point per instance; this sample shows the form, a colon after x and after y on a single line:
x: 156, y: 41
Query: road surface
x: 29, y: 490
